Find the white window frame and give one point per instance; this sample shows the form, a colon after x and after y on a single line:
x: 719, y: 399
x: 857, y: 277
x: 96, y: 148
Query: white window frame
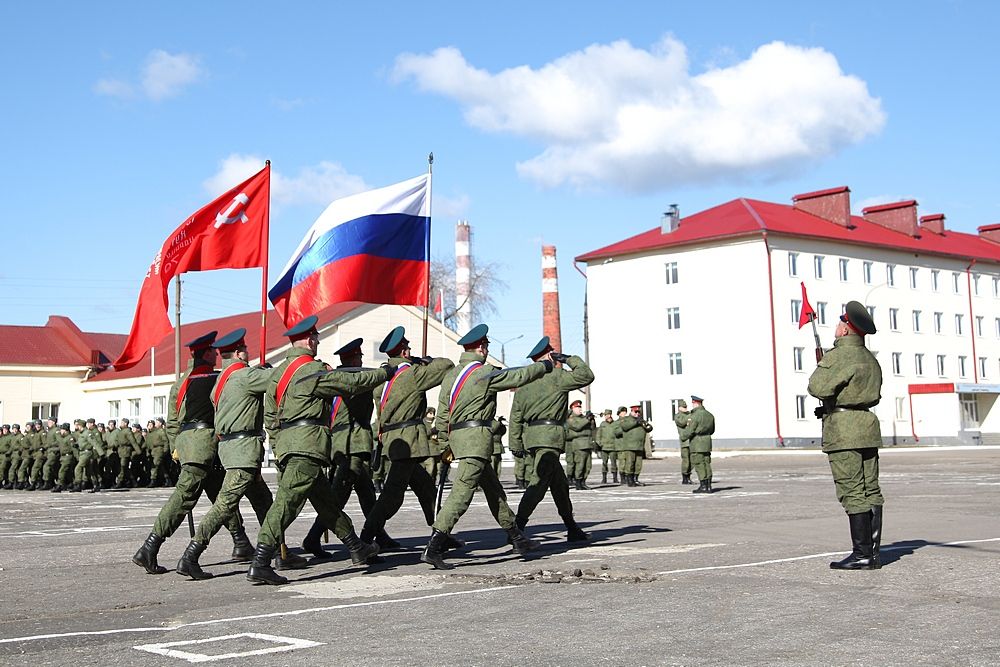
x: 958, y: 324
x: 913, y: 277
x: 818, y: 266
x: 939, y: 323
x: 916, y: 321
x: 940, y: 365
x: 890, y: 275
x: 672, y: 276
x: 821, y: 312
x: 897, y: 358
x: 982, y: 368
x: 918, y: 364
x: 676, y: 362
x: 843, y: 269
x: 894, y: 319
x: 673, y: 318
x: 793, y: 264
x: 934, y: 279
x: 800, y: 407
x: 954, y: 282
x: 961, y: 366
x: 114, y: 409
x: 160, y: 406
x: 866, y: 270
x: 798, y: 354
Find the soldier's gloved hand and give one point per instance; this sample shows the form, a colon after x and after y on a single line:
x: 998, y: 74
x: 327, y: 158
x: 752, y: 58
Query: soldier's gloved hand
x: 820, y: 411
x: 559, y: 356
x: 517, y: 453
x: 265, y: 366
x: 390, y: 370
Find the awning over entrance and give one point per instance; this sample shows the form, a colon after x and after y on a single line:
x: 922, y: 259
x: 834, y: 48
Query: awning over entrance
x: 953, y: 388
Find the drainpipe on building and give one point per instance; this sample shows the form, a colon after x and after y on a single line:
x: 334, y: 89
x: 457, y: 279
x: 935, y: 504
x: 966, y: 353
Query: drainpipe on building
x: 586, y: 332
x: 913, y: 427
x: 774, y: 346
x: 972, y: 322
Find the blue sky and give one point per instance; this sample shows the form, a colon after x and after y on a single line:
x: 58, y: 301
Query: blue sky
x: 574, y: 124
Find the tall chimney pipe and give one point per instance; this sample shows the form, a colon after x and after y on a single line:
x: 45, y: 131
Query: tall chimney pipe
x: 463, y: 277
x: 550, y: 298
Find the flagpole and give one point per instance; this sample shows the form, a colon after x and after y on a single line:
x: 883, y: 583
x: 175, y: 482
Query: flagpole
x: 441, y: 301
x: 177, y: 328
x: 263, y: 280
x: 427, y: 249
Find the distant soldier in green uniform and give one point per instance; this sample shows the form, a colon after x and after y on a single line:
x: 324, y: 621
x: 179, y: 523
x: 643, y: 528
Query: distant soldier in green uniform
x: 37, y: 457
x: 66, y: 446
x: 681, y: 420
x: 499, y: 431
x: 402, y: 404
x: 633, y: 444
x: 699, y: 430
x: 15, y: 456
x: 91, y: 448
x: 297, y: 410
x: 538, y: 423
x: 606, y: 443
x: 126, y: 446
x: 138, y: 466
x: 191, y: 430
x: 352, y: 444
x: 849, y: 382
x: 51, y: 465
x: 467, y: 405
x: 159, y: 452
x: 5, y: 456
x: 579, y: 440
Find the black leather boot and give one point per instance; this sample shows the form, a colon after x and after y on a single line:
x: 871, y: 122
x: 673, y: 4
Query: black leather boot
x: 702, y: 484
x: 708, y: 486
x: 583, y: 484
x: 361, y: 552
x: 636, y: 482
x: 312, y: 543
x: 614, y: 478
x: 630, y: 480
x: 861, y: 537
x: 685, y: 479
x: 243, y: 551
x: 522, y: 545
x: 577, y: 484
x: 434, y: 551
x: 386, y: 543
x: 876, y: 536
x: 146, y: 555
x: 260, y: 571
x: 574, y: 533
x: 451, y: 542
x: 604, y: 478
x: 76, y: 488
x: 58, y: 488
x: 289, y: 561
x: 188, y: 564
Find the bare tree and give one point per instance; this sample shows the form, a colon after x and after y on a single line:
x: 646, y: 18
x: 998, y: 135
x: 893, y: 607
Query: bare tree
x: 485, y: 285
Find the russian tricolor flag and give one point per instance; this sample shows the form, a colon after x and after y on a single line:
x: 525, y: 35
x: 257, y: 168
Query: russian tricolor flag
x: 371, y: 247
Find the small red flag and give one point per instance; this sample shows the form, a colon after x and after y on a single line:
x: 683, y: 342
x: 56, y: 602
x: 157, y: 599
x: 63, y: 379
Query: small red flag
x: 228, y: 233
x: 438, y: 305
x: 807, y: 314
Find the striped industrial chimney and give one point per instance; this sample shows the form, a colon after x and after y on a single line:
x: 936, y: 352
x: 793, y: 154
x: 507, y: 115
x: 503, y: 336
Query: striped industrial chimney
x: 550, y: 298
x: 463, y: 277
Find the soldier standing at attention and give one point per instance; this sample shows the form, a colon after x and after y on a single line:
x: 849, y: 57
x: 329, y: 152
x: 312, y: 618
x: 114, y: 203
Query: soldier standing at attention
x: 4, y: 456
x: 467, y: 405
x: 191, y: 431
x: 67, y: 459
x: 606, y: 443
x: 681, y: 420
x: 297, y: 410
x: 159, y: 451
x: 51, y: 466
x: 127, y: 445
x: 578, y: 440
x: 14, y: 443
x: 699, y: 430
x: 37, y: 456
x: 633, y: 444
x: 402, y: 404
x: 849, y: 382
x: 538, y: 423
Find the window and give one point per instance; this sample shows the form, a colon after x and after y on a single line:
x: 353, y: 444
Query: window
x: 113, y: 409
x: 958, y: 325
x: 939, y: 319
x: 913, y: 278
x: 979, y: 325
x: 866, y: 269
x: 671, y: 268
x: 996, y: 286
x: 45, y: 411
x: 961, y: 366
x: 900, y: 408
x: 975, y: 284
x: 134, y: 407
x: 793, y: 263
x: 675, y: 363
x: 970, y: 411
x: 996, y: 324
x: 934, y: 279
x: 940, y: 365
x: 954, y: 282
x: 843, y: 270
x: 871, y: 311
x: 800, y: 407
x: 916, y: 321
x: 982, y: 368
x: 160, y: 406
x: 674, y: 318
x: 797, y: 357
x: 890, y: 275
x: 821, y: 312
x: 675, y: 406
x: 918, y: 363
x: 796, y: 310
x: 818, y: 265
x: 894, y: 319
x: 896, y: 356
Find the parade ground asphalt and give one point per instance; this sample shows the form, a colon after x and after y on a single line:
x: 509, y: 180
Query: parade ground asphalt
x: 739, y: 577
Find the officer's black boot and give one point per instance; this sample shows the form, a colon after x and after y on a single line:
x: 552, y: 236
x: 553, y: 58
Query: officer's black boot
x: 386, y: 543
x: 708, y: 485
x: 312, y: 544
x: 260, y: 570
x: 877, y: 535
x: 604, y: 478
x: 574, y: 533
x: 583, y: 484
x: 636, y: 482
x: 434, y: 551
x: 48, y: 486
x: 361, y: 552
x: 861, y: 537
x: 289, y: 561
x: 631, y: 480
x: 188, y: 564
x: 58, y: 488
x: 76, y: 488
x: 522, y: 545
x: 577, y: 484
x: 614, y: 478
x: 451, y: 542
x: 702, y: 486
x: 685, y: 478
x: 146, y: 555
x: 242, y: 549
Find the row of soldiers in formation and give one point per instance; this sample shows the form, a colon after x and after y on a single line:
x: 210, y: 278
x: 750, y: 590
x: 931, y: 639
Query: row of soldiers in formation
x: 319, y: 421
x: 54, y: 457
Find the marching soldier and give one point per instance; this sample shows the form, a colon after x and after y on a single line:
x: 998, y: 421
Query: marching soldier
x: 633, y: 444
x: 66, y: 447
x: 701, y: 426
x: 681, y: 420
x: 37, y: 457
x: 127, y: 446
x: 849, y: 381
x: 159, y: 452
x: 606, y: 443
x: 5, y: 439
x: 578, y: 440
x: 467, y: 405
x: 402, y: 404
x: 191, y: 430
x: 538, y: 423
x: 297, y: 410
x: 91, y: 448
x: 51, y: 465
x: 15, y: 443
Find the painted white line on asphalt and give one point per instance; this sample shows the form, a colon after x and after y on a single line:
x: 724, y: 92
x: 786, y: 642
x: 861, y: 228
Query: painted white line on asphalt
x: 277, y: 614
x: 285, y: 644
x: 61, y: 532
x: 823, y: 555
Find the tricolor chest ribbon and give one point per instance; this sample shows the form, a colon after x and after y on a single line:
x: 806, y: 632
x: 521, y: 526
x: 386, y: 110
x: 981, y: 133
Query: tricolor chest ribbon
x: 463, y: 376
x: 221, y: 382
x: 334, y: 407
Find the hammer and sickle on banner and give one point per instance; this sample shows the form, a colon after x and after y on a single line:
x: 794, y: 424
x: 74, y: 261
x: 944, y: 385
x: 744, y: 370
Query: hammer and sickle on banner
x: 234, y: 213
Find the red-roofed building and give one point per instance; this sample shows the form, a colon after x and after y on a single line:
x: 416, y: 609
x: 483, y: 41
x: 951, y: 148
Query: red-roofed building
x: 713, y: 301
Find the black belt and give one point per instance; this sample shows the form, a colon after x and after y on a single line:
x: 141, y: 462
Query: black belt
x: 190, y: 426
x: 399, y: 425
x: 239, y: 435
x: 846, y: 409
x: 340, y: 427
x: 472, y: 423
x: 301, y: 422
x: 545, y: 422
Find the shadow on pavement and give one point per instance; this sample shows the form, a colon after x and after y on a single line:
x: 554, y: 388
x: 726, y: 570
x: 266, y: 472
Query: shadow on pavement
x: 897, y: 550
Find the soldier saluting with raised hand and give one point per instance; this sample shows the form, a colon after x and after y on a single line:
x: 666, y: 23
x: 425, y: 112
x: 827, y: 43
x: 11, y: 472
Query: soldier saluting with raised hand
x: 848, y: 379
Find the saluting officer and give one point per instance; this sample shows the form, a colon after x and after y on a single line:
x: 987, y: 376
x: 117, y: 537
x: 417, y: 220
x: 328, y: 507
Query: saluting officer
x: 849, y: 382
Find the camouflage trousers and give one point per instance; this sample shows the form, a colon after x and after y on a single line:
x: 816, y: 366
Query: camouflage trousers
x: 582, y: 464
x: 546, y: 475
x: 51, y: 466
x: 630, y: 462
x: 351, y: 473
x: 475, y: 473
x: 609, y: 462
x: 570, y: 462
x: 192, y: 481
x: 67, y: 466
x: 86, y: 469
x: 402, y: 473
x: 685, y: 460
x: 520, y: 464
x: 237, y: 483
x: 702, y: 464
x: 4, y: 466
x: 497, y: 462
x: 301, y: 479
x: 855, y: 475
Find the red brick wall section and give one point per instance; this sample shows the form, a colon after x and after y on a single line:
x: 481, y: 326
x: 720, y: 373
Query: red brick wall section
x: 900, y: 217
x: 550, y: 298
x: 832, y: 205
x: 932, y: 223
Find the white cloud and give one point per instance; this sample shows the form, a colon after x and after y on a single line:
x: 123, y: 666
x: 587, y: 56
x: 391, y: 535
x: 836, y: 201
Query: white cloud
x: 613, y: 114
x: 319, y: 184
x: 449, y: 207
x: 163, y: 75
